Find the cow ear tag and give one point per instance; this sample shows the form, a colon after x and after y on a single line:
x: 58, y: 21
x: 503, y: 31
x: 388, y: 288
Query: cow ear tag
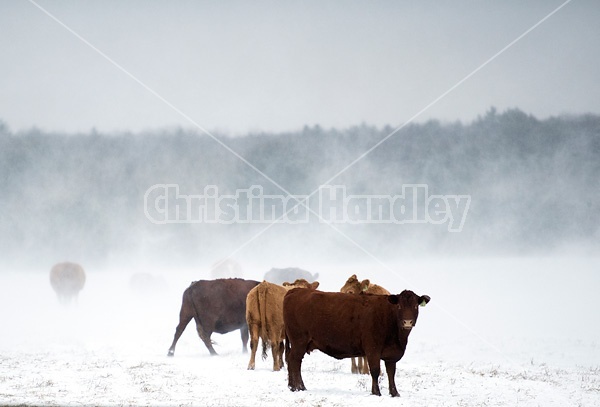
x: 423, y: 303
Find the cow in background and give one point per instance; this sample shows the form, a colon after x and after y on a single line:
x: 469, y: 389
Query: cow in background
x: 264, y: 315
x: 353, y: 286
x: 67, y: 279
x: 345, y: 325
x: 226, y: 268
x: 279, y: 276
x: 216, y: 306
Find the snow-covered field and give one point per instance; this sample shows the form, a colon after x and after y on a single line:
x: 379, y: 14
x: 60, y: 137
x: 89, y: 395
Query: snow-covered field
x: 510, y: 332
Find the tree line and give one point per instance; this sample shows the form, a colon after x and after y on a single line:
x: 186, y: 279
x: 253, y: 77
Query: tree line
x: 533, y: 183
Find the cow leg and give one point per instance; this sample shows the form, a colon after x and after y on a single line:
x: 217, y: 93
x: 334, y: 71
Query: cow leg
x: 275, y: 352
x: 354, y: 368
x: 205, y: 336
x: 363, y: 366
x: 253, y: 345
x: 373, y: 361
x: 244, y: 333
x: 280, y: 355
x: 390, y: 368
x: 294, y: 360
x: 184, y: 320
x: 277, y: 348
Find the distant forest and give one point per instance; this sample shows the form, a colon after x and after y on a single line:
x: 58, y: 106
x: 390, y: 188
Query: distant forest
x: 535, y: 188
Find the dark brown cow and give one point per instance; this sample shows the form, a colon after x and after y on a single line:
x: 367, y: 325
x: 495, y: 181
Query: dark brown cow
x: 67, y: 279
x: 264, y: 314
x: 354, y: 286
x: 216, y: 306
x: 345, y: 325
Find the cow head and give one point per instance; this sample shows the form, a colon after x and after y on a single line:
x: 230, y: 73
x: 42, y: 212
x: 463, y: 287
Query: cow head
x: 301, y: 283
x: 353, y: 286
x: 408, y: 304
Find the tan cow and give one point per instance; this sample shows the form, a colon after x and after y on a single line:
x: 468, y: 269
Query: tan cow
x: 67, y: 279
x: 353, y: 286
x: 264, y: 315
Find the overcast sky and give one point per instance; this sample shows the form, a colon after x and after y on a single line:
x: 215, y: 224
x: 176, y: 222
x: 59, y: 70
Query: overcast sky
x: 239, y: 66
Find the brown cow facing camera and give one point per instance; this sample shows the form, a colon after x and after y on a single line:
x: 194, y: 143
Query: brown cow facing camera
x: 264, y: 314
x: 345, y: 325
x: 216, y: 306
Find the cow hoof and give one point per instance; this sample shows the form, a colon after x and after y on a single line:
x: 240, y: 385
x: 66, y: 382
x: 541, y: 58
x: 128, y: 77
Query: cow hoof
x: 250, y: 367
x: 171, y: 353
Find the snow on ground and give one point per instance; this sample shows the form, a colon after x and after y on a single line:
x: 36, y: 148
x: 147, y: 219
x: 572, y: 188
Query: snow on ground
x: 498, y: 332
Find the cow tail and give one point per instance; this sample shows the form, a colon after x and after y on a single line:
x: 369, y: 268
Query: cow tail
x: 264, y: 350
x: 262, y: 310
x: 287, y: 348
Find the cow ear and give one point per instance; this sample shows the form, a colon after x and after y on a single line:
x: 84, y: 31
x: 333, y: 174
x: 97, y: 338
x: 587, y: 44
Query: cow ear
x: 285, y: 284
x: 394, y: 299
x: 314, y: 285
x: 423, y: 300
x: 364, y: 286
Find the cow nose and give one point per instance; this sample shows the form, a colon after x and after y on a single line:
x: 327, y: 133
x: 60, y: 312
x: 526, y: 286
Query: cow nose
x: 407, y: 323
